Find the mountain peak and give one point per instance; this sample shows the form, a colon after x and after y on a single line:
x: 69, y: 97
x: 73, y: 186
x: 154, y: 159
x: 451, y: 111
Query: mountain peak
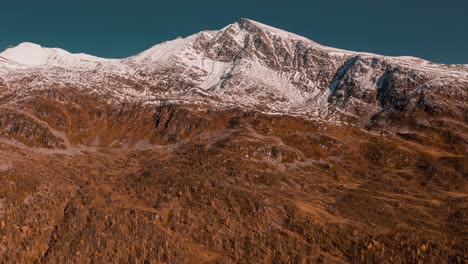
x: 28, y: 45
x: 251, y: 22
x: 34, y: 55
x: 26, y: 53
x: 253, y: 26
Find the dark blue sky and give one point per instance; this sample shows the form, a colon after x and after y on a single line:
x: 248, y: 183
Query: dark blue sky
x: 432, y: 29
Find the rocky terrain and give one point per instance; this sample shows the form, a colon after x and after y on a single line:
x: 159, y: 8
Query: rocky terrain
x: 247, y: 144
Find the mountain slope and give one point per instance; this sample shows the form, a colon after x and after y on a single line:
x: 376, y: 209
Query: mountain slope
x: 244, y: 144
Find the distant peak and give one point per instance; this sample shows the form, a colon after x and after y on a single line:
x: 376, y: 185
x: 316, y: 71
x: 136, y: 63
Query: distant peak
x: 33, y: 55
x: 26, y: 53
x: 28, y: 45
x: 24, y: 47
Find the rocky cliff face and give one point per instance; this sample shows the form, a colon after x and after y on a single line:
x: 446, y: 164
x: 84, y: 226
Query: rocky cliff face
x: 245, y: 144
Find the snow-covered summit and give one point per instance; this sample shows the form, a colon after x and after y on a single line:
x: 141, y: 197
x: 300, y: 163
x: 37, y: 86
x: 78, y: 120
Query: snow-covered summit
x: 33, y: 55
x: 252, y: 25
x: 244, y: 63
x: 26, y: 53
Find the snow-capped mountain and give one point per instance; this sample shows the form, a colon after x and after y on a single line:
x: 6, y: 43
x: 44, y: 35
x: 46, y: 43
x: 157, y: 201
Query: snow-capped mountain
x: 245, y: 144
x: 246, y: 63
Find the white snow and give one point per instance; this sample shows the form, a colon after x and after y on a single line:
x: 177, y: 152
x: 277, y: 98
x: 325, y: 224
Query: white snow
x: 163, y: 51
x: 27, y: 54
x: 250, y: 82
x: 33, y: 55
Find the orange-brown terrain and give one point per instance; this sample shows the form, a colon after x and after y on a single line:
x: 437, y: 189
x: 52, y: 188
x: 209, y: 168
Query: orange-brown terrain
x: 186, y: 184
